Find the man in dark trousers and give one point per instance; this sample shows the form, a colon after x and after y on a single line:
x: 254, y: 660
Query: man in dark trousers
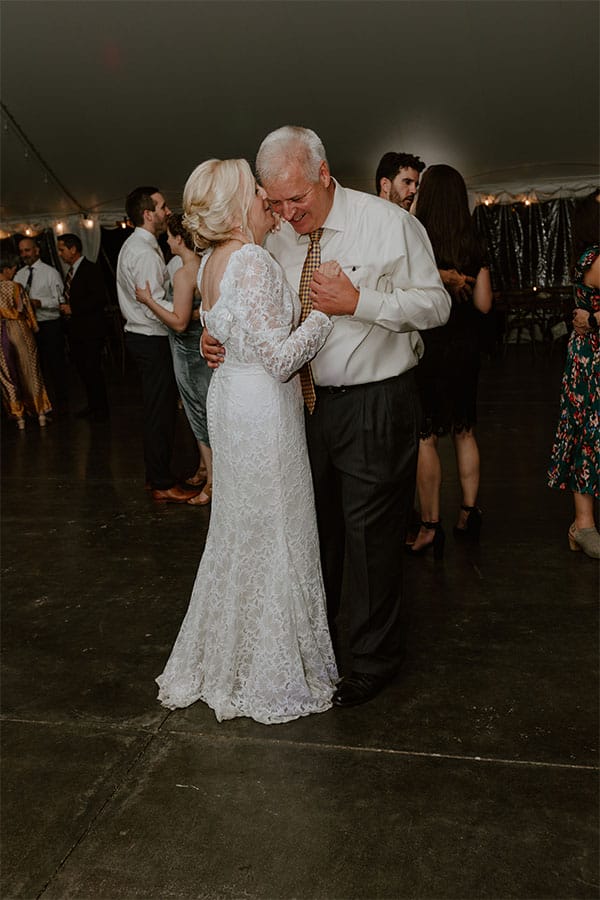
x: 141, y: 262
x: 84, y: 299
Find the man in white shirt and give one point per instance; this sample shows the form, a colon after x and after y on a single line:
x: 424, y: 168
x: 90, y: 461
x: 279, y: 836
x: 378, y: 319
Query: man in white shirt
x: 45, y: 288
x: 397, y: 178
x: 141, y: 262
x: 363, y: 435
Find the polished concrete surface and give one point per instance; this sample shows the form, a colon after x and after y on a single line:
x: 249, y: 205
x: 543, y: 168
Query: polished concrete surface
x: 474, y: 775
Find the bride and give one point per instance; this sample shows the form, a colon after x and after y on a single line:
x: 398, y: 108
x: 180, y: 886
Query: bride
x: 254, y: 641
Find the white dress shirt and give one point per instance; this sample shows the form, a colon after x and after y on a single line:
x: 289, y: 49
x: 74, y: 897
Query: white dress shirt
x: 141, y: 260
x: 387, y: 255
x: 46, y: 286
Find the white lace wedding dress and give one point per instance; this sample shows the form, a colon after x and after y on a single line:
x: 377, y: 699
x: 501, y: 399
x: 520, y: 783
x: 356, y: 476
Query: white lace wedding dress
x: 254, y: 641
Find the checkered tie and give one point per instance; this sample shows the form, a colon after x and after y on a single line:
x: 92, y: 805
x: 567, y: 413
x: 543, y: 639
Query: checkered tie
x: 67, y: 288
x: 311, y: 264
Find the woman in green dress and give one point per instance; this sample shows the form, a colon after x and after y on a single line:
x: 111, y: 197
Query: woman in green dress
x: 191, y: 371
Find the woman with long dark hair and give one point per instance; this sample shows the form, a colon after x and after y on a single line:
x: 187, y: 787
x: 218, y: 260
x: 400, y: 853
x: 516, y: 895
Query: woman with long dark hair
x: 448, y: 373
x: 575, y: 460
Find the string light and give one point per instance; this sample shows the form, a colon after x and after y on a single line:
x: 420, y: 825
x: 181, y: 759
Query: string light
x: 60, y: 227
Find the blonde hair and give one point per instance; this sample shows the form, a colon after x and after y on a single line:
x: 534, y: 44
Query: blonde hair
x: 216, y: 201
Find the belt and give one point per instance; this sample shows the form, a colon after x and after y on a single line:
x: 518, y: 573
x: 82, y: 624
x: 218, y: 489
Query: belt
x: 333, y: 389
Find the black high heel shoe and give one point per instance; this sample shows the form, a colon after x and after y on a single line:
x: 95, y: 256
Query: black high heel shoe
x: 437, y: 544
x: 473, y: 524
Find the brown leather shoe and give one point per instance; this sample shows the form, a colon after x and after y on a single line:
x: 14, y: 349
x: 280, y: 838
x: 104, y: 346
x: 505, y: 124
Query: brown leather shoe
x: 173, y: 494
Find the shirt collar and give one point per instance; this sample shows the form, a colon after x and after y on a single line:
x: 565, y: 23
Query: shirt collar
x: 336, y: 219
x: 146, y: 236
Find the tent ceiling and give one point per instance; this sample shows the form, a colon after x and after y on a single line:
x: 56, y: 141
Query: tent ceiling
x: 115, y: 94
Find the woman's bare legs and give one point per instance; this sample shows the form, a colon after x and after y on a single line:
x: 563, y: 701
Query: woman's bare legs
x: 468, y: 465
x: 584, y: 511
x: 202, y: 474
x: 429, y: 482
x: 583, y: 534
x: 206, y: 462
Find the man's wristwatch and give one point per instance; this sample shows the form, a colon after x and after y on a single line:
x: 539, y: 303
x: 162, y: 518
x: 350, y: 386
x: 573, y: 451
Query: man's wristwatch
x: 593, y: 322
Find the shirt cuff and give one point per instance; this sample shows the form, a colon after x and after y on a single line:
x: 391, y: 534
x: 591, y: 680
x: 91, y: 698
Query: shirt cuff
x: 368, y: 306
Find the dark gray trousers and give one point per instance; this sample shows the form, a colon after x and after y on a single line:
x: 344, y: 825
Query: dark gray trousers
x: 363, y: 444
x: 152, y: 355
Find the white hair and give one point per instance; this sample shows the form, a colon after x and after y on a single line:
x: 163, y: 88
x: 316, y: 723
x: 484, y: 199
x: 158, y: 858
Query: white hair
x: 288, y: 145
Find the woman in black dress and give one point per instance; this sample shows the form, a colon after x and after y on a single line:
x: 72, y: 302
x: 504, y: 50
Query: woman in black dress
x: 448, y: 373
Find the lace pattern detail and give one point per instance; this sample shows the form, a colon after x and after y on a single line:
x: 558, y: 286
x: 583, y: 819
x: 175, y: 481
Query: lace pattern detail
x: 254, y: 641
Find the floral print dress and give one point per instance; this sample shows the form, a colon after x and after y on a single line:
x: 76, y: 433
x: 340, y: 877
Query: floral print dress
x: 575, y: 460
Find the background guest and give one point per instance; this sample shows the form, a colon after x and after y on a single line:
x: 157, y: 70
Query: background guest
x: 575, y: 460
x: 185, y: 330
x: 23, y: 389
x: 448, y: 373
x: 83, y: 308
x: 45, y: 288
x: 397, y: 178
x: 141, y: 262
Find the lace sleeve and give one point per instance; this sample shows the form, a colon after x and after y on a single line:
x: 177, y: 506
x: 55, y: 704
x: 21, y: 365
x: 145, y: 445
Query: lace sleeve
x: 262, y: 306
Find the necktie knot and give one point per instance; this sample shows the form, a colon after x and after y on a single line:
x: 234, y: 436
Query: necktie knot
x: 315, y: 236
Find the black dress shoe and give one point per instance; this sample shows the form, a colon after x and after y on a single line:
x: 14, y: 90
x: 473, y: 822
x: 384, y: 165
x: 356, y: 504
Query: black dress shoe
x: 358, y: 687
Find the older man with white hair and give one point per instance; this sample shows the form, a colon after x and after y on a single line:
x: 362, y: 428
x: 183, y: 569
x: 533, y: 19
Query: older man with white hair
x: 363, y: 412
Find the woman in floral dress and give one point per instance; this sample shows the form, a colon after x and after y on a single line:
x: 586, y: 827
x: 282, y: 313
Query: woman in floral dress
x: 575, y: 461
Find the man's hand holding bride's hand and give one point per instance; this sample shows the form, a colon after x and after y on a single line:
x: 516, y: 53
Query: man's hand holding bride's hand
x: 212, y: 350
x: 143, y: 294
x: 332, y: 292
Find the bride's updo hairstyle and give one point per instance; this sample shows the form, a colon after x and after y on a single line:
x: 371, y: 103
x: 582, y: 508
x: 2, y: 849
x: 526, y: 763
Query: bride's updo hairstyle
x: 216, y: 201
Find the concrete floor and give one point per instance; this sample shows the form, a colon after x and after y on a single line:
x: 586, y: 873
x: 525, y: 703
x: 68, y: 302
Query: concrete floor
x: 474, y: 775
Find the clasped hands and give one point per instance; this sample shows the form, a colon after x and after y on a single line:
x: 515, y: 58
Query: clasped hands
x: 460, y: 285
x: 331, y: 292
